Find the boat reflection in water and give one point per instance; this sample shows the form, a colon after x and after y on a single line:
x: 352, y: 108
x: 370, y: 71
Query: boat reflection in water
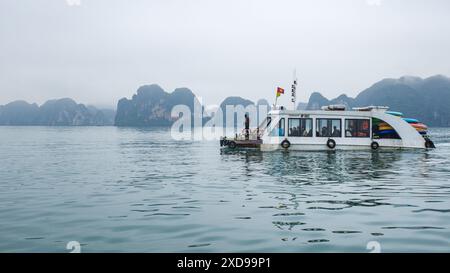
x: 325, y: 166
x: 327, y: 194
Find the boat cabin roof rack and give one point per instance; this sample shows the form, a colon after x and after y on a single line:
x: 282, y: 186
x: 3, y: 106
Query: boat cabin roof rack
x: 335, y: 107
x: 370, y: 108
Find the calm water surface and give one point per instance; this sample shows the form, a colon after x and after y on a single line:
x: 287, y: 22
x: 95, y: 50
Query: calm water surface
x: 128, y: 190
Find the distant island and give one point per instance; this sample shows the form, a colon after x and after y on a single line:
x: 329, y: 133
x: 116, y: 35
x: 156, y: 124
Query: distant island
x: 62, y: 112
x: 152, y: 106
x: 425, y: 99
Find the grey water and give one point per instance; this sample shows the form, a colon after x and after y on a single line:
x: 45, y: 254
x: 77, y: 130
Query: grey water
x: 136, y: 190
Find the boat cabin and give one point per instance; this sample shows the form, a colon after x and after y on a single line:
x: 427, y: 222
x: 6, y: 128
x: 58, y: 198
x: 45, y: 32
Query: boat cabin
x: 335, y: 127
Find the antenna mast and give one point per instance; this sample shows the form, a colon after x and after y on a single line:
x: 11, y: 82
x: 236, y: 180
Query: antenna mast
x: 294, y: 90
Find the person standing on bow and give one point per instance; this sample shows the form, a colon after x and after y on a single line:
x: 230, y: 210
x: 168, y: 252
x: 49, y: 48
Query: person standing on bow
x: 247, y: 127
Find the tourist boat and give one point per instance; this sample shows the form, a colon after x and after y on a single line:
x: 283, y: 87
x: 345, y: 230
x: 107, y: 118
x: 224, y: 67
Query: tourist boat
x: 333, y: 128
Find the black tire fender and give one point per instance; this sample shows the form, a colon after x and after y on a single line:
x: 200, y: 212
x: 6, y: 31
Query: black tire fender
x: 232, y: 144
x: 374, y: 145
x: 331, y: 143
x: 285, y: 144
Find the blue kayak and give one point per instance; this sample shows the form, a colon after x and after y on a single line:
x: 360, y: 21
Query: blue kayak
x: 398, y: 114
x: 411, y: 120
x: 386, y: 132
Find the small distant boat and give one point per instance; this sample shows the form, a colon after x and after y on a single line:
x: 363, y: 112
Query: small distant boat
x: 333, y: 128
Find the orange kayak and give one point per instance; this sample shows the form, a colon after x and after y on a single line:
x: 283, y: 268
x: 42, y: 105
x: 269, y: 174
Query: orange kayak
x: 419, y: 126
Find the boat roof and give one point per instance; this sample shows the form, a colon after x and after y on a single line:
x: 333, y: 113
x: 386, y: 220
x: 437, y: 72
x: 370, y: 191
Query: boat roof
x: 358, y: 111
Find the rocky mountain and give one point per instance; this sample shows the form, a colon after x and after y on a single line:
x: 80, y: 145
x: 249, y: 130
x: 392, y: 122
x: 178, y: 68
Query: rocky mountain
x: 234, y: 101
x: 61, y: 112
x: 302, y: 105
x: 152, y: 106
x: 18, y: 113
x: 262, y: 105
x: 105, y: 116
x: 425, y: 99
x: 263, y: 102
x: 262, y: 108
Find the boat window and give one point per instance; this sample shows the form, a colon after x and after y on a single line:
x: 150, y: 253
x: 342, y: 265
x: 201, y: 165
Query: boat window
x: 279, y: 129
x: 300, y: 127
x: 327, y: 127
x: 357, y: 128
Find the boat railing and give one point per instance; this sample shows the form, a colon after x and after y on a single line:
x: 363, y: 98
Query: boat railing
x: 253, y: 134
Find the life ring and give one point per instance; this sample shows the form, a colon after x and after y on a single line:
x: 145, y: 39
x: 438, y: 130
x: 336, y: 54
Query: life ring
x: 285, y: 144
x: 232, y: 144
x: 374, y: 145
x: 331, y: 143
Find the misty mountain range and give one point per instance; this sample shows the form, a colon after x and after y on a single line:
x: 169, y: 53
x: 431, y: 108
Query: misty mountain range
x: 425, y: 99
x: 62, y: 112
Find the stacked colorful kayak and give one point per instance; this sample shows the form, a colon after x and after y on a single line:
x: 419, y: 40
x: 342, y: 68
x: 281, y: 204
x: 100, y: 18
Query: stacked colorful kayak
x: 420, y: 127
x: 385, y: 129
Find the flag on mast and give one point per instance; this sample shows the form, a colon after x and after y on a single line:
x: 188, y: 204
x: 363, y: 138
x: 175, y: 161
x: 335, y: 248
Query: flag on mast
x: 280, y: 91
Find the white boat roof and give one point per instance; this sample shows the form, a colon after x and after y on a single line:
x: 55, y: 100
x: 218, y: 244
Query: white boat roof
x: 360, y: 111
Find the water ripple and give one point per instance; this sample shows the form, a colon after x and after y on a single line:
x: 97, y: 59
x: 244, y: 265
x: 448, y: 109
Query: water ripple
x: 134, y: 189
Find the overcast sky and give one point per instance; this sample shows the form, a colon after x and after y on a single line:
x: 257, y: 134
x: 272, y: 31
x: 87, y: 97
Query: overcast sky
x: 98, y: 51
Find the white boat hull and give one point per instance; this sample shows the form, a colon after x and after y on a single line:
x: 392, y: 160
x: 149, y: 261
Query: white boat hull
x: 321, y: 147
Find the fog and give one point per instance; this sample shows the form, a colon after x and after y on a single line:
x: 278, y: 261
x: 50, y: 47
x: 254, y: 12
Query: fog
x: 98, y: 51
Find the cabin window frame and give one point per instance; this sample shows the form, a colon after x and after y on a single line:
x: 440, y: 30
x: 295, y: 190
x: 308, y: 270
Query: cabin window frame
x: 281, y: 122
x: 330, y: 120
x: 357, y: 127
x: 300, y: 124
x: 269, y: 120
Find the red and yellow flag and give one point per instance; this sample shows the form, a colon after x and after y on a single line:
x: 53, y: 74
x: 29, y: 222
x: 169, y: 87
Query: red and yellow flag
x: 280, y: 91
